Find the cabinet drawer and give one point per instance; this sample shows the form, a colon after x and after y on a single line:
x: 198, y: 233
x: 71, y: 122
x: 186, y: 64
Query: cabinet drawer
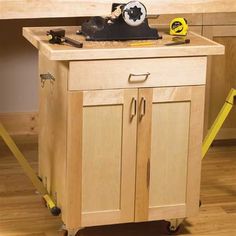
x: 136, y: 73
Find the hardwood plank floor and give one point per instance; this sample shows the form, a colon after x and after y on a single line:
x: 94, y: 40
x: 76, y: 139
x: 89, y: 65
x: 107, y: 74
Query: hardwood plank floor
x: 23, y: 214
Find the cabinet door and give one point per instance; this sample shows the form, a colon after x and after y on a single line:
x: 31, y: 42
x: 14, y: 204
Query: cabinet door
x: 108, y: 155
x: 169, y: 152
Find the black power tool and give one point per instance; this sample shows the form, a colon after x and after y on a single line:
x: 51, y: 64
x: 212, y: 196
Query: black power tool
x: 126, y: 22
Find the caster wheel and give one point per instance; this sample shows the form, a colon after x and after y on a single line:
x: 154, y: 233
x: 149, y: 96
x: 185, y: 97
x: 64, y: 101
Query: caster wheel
x: 172, y: 230
x: 174, y: 226
x: 69, y: 232
x: 63, y: 233
x: 66, y: 233
x: 56, y: 211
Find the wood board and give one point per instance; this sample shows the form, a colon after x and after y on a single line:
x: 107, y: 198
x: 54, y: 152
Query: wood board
x: 77, y: 8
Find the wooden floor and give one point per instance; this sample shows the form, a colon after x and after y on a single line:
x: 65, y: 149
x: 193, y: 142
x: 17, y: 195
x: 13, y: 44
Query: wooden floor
x: 23, y: 214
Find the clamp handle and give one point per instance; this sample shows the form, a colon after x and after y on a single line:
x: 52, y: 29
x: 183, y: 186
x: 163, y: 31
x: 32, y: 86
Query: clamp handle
x: 57, y: 36
x: 73, y: 42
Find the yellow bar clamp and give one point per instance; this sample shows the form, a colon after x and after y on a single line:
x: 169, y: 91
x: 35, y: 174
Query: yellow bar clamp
x: 224, y: 112
x: 28, y: 170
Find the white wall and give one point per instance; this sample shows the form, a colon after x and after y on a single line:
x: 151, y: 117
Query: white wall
x: 18, y: 65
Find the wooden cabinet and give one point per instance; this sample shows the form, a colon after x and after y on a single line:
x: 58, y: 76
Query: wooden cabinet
x: 221, y: 72
x: 134, y: 144
x: 130, y: 149
x: 120, y: 138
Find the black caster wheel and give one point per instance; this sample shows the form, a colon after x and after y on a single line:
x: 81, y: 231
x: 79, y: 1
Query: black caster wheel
x: 56, y: 211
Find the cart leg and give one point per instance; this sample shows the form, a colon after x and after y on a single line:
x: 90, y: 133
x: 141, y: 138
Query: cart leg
x: 220, y: 119
x: 69, y: 232
x: 174, y: 225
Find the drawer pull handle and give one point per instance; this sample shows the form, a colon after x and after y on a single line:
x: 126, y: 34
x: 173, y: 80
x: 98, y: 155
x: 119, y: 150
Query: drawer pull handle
x: 145, y: 75
x: 45, y: 77
x: 143, y: 108
x: 133, y: 108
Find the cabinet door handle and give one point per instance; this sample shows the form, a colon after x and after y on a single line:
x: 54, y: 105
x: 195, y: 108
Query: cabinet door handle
x: 148, y: 173
x: 133, y: 108
x: 133, y: 81
x: 142, y: 107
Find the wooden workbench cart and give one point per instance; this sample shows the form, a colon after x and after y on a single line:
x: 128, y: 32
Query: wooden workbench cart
x: 121, y: 128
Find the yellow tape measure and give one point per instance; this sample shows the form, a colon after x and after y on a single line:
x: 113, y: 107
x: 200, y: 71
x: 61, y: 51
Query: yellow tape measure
x: 179, y: 27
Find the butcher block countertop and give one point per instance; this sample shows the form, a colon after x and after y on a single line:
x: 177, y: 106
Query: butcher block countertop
x: 199, y: 46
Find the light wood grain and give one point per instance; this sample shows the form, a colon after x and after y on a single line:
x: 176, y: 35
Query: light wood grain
x: 73, y: 191
x: 35, y: 9
x: 177, y: 94
x: 219, y: 19
x: 102, y: 141
x: 113, y: 140
x: 221, y: 78
x: 113, y: 74
x: 199, y: 46
x: 97, y: 218
x: 143, y: 156
x: 169, y: 154
x: 175, y: 211
x: 196, y: 29
x: 53, y: 128
x: 177, y: 122
x: 195, y: 150
x: 213, y: 32
x: 107, y: 97
x: 109, y: 154
x: 227, y: 134
x: 23, y: 214
x: 165, y: 19
x: 129, y: 152
x: 20, y: 123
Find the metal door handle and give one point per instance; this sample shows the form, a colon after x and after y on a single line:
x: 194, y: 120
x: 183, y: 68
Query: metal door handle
x: 133, y: 108
x: 138, y: 75
x: 142, y: 107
